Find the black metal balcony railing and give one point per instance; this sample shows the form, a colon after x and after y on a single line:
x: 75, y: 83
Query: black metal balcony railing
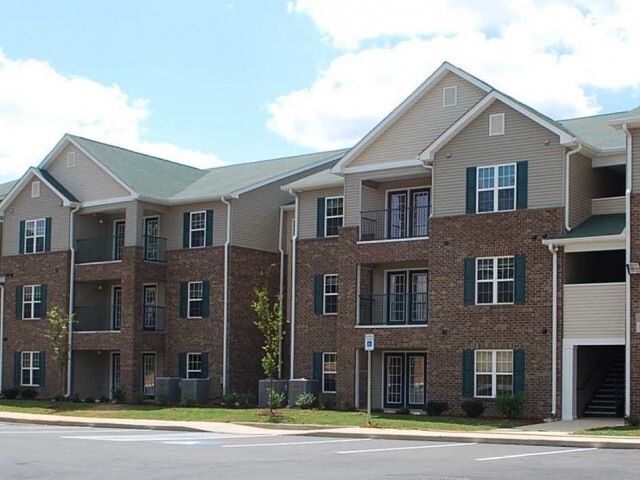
x: 394, y: 309
x: 395, y: 223
x: 153, y: 318
x: 91, y: 250
x: 97, y: 319
x: 155, y: 248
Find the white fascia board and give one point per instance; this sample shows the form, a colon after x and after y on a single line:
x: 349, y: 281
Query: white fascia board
x: 602, y: 239
x: 288, y: 208
x: 631, y: 122
x: 183, y: 201
x: 23, y: 182
x: 310, y: 188
x: 109, y: 201
x: 385, y: 166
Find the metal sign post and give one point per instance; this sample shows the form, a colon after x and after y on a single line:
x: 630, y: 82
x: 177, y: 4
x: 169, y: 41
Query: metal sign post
x: 369, y: 343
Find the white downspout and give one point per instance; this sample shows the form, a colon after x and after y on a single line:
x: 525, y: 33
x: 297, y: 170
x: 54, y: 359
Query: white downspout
x: 293, y: 285
x: 554, y: 330
x: 281, y: 288
x: 72, y: 291
x: 627, y: 327
x: 566, y: 185
x: 1, y: 332
x: 432, y: 188
x: 225, y: 315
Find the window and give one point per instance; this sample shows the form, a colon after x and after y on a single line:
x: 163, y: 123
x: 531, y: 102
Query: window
x: 496, y: 124
x: 450, y: 96
x: 197, y: 229
x: 329, y: 372
x: 195, y: 300
x: 334, y: 214
x: 496, y: 188
x: 71, y: 159
x: 31, y: 302
x: 194, y: 365
x: 35, y: 189
x: 34, y: 236
x: 493, y: 373
x: 330, y: 294
x: 495, y: 280
x: 30, y: 369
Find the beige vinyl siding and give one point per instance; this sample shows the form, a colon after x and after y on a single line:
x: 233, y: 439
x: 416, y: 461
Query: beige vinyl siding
x: 23, y: 207
x: 308, y: 204
x: 421, y: 124
x: 594, y: 310
x: 582, y: 188
x: 171, y: 227
x: 524, y: 140
x: 86, y: 181
x: 635, y: 170
x: 604, y: 206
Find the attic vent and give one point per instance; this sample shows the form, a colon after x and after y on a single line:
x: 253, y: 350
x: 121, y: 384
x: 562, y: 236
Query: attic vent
x: 450, y: 96
x: 496, y: 124
x: 71, y: 159
x: 35, y: 189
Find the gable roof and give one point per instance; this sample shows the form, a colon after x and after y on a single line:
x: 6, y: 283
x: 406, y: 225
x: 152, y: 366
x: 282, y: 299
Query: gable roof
x: 5, y: 188
x: 67, y: 198
x: 596, y: 130
x: 411, y: 100
x: 323, y: 179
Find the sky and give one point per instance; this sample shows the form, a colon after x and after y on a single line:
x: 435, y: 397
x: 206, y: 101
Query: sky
x: 209, y: 82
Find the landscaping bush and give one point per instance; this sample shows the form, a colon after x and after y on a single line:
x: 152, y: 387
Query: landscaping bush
x: 246, y: 400
x: 89, y: 400
x: 436, y: 408
x: 28, y: 393
x: 189, y: 401
x: 305, y: 400
x: 277, y: 399
x: 104, y: 399
x: 230, y: 399
x: 75, y: 398
x: 473, y: 408
x: 510, y: 406
x: 60, y: 398
x: 403, y: 411
x: 11, y: 393
x: 349, y: 407
x: 163, y: 399
x: 139, y: 398
x: 328, y: 402
x: 633, y: 421
x: 119, y: 395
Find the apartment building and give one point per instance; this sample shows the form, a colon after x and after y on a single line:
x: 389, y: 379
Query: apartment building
x: 157, y: 261
x: 484, y: 245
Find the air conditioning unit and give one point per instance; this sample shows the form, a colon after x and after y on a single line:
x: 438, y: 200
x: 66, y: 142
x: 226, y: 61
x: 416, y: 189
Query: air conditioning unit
x: 280, y: 386
x: 194, y: 389
x: 169, y: 387
x: 298, y: 386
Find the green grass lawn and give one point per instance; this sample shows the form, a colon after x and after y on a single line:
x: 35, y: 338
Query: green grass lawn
x: 254, y: 415
x: 612, y: 431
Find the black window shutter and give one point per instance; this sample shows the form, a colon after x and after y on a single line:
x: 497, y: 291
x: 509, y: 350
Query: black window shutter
x: 182, y: 365
x: 520, y: 279
x: 317, y: 366
x: 471, y: 190
x: 43, y: 301
x: 469, y: 281
x: 42, y: 368
x: 47, y: 234
x: 18, y: 305
x: 318, y: 294
x: 320, y: 217
x: 522, y: 173
x: 184, y: 292
x: 209, y: 231
x: 17, y: 364
x: 21, y: 239
x: 518, y: 371
x: 205, y: 365
x: 185, y: 229
x: 205, y: 299
x: 467, y: 373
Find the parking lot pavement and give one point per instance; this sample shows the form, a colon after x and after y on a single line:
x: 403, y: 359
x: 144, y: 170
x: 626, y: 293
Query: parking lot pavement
x: 43, y: 452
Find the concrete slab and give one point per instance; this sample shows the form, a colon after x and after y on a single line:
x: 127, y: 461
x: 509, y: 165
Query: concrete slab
x: 566, y: 427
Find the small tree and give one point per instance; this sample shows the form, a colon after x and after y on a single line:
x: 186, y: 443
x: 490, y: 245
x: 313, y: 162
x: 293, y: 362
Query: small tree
x: 269, y: 322
x: 57, y: 332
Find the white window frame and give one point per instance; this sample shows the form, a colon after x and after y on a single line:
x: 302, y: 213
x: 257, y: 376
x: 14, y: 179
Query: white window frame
x: 494, y: 372
x: 33, y: 302
x: 327, y: 216
x: 35, y: 235
x: 203, y: 229
x: 149, y: 390
x: 496, y: 188
x: 189, y: 371
x: 330, y: 372
x: 189, y: 299
x: 71, y: 159
x: 326, y: 294
x: 35, y: 189
x: 495, y: 280
x: 455, y: 96
x: 31, y: 355
x: 491, y: 124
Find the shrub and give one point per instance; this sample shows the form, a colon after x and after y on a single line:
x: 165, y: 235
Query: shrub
x: 60, y: 398
x: 436, y: 408
x: 633, y: 421
x: 11, y: 393
x: 510, y: 406
x: 230, y: 399
x: 473, y: 408
x: 28, y: 393
x: 189, y: 401
x: 89, y: 400
x: 403, y: 411
x: 139, y: 398
x: 348, y: 407
x: 104, y: 399
x: 246, y: 400
x: 328, y: 402
x: 75, y: 398
x: 119, y: 395
x: 305, y: 400
x: 163, y: 399
x: 276, y: 399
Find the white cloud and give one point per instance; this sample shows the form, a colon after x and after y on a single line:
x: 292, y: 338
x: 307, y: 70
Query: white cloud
x: 38, y: 105
x: 549, y: 54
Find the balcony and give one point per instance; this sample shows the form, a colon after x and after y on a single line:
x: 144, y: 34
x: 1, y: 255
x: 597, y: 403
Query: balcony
x: 594, y: 310
x: 97, y: 319
x: 96, y: 250
x: 153, y: 318
x: 395, y: 223
x: 391, y: 309
x: 155, y: 249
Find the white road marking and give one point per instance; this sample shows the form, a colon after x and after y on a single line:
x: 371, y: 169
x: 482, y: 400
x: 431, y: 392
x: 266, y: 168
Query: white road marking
x: 18, y: 432
x: 281, y: 444
x: 162, y: 438
x: 555, y: 452
x: 419, y: 447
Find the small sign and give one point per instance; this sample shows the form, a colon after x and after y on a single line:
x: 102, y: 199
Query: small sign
x: 369, y: 342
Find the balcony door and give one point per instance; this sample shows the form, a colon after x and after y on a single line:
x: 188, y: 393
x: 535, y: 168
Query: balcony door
x: 408, y: 213
x: 115, y: 372
x: 407, y: 293
x: 149, y: 374
x: 151, y: 234
x: 405, y: 377
x: 150, y: 307
x: 118, y: 239
x: 116, y: 308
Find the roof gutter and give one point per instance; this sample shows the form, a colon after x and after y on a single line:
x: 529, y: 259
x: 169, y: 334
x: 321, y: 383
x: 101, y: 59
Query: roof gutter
x: 225, y: 315
x: 627, y: 326
x: 567, y: 160
x: 293, y: 285
x: 72, y: 289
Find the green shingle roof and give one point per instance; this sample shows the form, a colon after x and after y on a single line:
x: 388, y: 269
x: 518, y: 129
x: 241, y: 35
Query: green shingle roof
x: 5, y: 188
x: 58, y: 186
x: 596, y: 226
x: 596, y: 130
x: 323, y: 179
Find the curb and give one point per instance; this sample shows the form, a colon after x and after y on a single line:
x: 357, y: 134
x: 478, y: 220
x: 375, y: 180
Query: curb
x: 75, y: 423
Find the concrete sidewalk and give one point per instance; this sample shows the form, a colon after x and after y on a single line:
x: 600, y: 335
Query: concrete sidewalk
x: 543, y: 434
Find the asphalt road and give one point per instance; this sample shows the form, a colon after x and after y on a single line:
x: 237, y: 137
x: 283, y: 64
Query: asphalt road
x: 43, y: 452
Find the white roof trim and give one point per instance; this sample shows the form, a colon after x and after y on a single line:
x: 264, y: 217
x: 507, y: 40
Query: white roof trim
x: 60, y: 146
x: 630, y: 121
x: 414, y: 162
x: 17, y: 188
x: 576, y: 240
x: 403, y: 107
x: 429, y: 153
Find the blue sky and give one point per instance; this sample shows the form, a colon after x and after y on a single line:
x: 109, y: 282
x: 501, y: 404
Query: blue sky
x: 210, y: 82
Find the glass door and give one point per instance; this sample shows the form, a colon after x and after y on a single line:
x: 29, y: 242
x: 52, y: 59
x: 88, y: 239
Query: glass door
x: 405, y: 376
x: 115, y: 372
x: 397, y: 216
x: 149, y: 374
x: 118, y: 239
x: 394, y: 380
x: 416, y: 376
x: 419, y: 296
x: 397, y: 294
x: 116, y: 308
x: 150, y: 313
x: 419, y: 213
x: 151, y: 233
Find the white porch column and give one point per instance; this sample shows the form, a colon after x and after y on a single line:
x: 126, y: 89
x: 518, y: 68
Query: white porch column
x: 569, y: 381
